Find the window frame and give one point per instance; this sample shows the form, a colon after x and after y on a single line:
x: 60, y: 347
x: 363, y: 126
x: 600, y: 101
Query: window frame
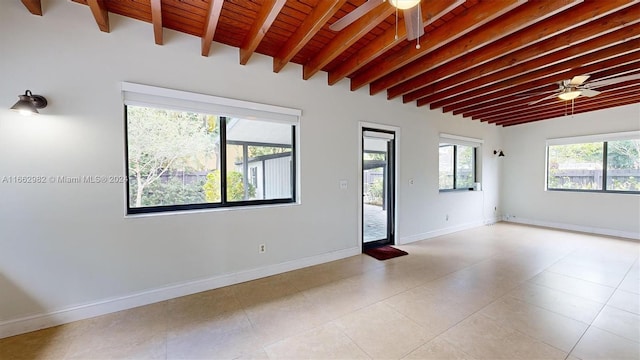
x: 455, y: 141
x: 224, y: 108
x: 598, y: 138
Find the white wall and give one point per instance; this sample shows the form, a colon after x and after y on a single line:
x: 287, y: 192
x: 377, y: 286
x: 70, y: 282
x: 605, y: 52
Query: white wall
x: 524, y: 197
x: 67, y: 251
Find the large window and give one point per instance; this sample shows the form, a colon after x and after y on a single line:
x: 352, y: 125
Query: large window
x: 457, y: 163
x: 184, y: 154
x: 598, y: 163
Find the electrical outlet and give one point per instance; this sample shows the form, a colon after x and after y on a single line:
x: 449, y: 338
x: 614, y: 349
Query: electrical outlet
x: 262, y: 248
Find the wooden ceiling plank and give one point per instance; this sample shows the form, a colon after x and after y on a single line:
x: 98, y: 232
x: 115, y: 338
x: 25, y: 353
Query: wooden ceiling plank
x: 34, y: 6
x: 442, y: 78
x: 345, y: 38
x: 614, y: 92
x: 520, y: 17
x: 558, y: 71
x: 100, y: 14
x: 567, y: 111
x: 211, y: 24
x: 265, y: 18
x: 310, y: 26
x: 621, y: 59
x: 543, y: 64
x: 431, y: 10
x: 156, y: 20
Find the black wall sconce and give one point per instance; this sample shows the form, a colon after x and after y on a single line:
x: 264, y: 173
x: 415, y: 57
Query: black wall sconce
x: 500, y: 153
x: 29, y: 103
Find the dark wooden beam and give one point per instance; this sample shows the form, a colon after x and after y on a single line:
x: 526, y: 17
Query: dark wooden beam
x: 268, y: 13
x: 311, y: 25
x: 345, y: 38
x: 156, y: 19
x: 100, y: 14
x: 34, y: 6
x: 211, y: 24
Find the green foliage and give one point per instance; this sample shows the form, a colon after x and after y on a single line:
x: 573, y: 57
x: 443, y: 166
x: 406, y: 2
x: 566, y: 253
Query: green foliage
x: 255, y: 151
x: 375, y: 192
x: 171, y: 192
x: 235, y: 187
x: 162, y: 141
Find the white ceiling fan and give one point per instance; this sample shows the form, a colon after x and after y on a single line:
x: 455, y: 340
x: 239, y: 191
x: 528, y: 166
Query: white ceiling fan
x: 578, y: 86
x: 410, y: 8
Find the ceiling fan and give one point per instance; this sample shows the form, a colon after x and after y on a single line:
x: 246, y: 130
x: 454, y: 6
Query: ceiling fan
x: 578, y: 86
x: 410, y: 8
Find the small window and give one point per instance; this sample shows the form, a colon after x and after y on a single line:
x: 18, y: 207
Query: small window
x: 457, y: 164
x: 608, y: 165
x: 184, y: 155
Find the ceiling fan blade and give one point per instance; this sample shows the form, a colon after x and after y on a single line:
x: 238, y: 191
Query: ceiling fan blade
x: 544, y: 98
x: 413, y: 23
x: 354, y: 15
x: 578, y: 80
x: 589, y: 92
x: 599, y: 83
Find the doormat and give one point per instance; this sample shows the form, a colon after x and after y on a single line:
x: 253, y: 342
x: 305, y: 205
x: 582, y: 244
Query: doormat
x: 385, y: 252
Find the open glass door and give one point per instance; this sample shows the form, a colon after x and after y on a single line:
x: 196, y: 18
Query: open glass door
x: 378, y: 203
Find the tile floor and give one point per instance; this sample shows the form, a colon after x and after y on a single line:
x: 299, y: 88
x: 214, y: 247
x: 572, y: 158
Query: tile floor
x: 504, y: 291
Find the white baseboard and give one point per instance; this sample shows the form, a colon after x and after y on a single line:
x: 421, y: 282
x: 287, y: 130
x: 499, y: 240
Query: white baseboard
x: 431, y: 234
x: 102, y: 307
x: 573, y: 227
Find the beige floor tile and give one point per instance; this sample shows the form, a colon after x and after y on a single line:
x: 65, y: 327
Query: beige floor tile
x: 585, y: 289
x: 139, y: 331
x: 43, y: 344
x: 435, y: 312
x: 563, y: 303
x: 229, y: 335
x: 620, y: 322
x: 325, y: 342
x: 263, y: 290
x: 604, y: 273
x: 484, y: 338
x: 281, y: 318
x: 438, y: 349
x: 549, y: 327
x: 599, y: 344
x: 341, y: 297
x: 382, y: 332
x: 625, y: 300
x: 201, y: 307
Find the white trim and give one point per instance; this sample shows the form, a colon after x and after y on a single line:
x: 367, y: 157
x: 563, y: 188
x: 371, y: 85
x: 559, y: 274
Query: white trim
x: 445, y: 231
x: 106, y: 306
x: 145, y: 95
x: 572, y: 227
x: 461, y: 139
x: 627, y: 135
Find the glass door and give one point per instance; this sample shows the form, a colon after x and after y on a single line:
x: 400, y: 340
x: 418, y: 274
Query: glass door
x: 377, y: 188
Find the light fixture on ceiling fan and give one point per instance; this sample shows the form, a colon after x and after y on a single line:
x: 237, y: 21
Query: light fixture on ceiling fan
x: 404, y: 4
x: 410, y: 8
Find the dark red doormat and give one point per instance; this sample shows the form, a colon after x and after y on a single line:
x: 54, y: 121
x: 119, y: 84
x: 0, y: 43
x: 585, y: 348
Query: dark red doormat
x: 385, y: 252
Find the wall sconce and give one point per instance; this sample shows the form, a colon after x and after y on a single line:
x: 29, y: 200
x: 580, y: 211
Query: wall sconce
x: 29, y: 103
x: 499, y: 152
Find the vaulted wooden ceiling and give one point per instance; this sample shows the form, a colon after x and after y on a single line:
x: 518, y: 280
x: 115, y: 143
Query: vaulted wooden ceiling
x: 490, y: 61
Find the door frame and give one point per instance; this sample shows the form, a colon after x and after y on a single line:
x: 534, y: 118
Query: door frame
x: 382, y: 127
